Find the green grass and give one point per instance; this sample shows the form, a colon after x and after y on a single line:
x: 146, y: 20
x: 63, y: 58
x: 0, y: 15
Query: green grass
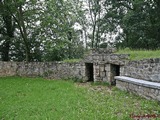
x: 71, y: 60
x: 39, y: 99
x: 140, y: 54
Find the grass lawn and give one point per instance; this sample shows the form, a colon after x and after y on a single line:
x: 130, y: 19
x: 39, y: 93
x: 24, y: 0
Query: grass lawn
x: 140, y: 54
x: 39, y: 99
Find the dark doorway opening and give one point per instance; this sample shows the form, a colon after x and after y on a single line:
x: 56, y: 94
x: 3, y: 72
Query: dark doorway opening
x: 115, y: 71
x: 89, y: 71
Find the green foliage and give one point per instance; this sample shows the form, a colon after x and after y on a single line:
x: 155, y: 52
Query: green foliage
x: 45, y: 30
x: 36, y: 98
x: 62, y: 40
x: 7, y: 28
x: 136, y: 23
x: 75, y: 80
x: 95, y: 13
x: 101, y: 84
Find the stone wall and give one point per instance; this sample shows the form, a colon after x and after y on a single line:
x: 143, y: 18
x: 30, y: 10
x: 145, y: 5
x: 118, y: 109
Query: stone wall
x: 147, y: 69
x: 106, y: 57
x: 54, y: 70
x: 103, y: 61
x: 105, y: 67
x: 8, y: 68
x: 103, y: 73
x: 146, y: 92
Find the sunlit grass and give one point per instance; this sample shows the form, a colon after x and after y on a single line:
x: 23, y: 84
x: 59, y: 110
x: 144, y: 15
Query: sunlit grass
x: 39, y: 99
x: 140, y: 54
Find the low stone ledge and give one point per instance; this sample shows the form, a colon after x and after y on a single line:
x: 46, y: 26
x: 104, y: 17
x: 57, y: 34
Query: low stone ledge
x: 146, y: 89
x: 139, y: 82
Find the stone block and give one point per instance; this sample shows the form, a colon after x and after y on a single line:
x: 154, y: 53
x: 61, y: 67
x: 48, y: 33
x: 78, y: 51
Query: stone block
x: 157, y: 92
x: 158, y: 98
x: 155, y: 77
x: 105, y: 79
x: 102, y: 68
x: 102, y: 74
x: 107, y: 67
x: 121, y: 85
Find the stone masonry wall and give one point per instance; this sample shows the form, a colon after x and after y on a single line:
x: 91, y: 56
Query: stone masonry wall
x: 103, y: 61
x: 54, y: 70
x: 102, y: 72
x: 147, y: 69
x: 8, y: 68
x: 146, y: 92
x: 104, y: 57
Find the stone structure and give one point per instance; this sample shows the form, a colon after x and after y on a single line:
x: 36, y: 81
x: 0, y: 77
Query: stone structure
x: 99, y: 65
x: 54, y: 70
x: 143, y: 78
x: 147, y: 69
x: 105, y: 64
x: 146, y: 89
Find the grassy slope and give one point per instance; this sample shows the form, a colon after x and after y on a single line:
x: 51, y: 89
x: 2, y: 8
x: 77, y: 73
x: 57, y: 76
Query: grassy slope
x: 140, y: 54
x: 39, y: 99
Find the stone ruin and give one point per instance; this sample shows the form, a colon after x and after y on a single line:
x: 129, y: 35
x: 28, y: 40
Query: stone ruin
x: 141, y: 77
x: 99, y: 65
x: 102, y: 65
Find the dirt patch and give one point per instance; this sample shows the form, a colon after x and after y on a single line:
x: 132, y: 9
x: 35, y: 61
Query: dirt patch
x: 95, y: 88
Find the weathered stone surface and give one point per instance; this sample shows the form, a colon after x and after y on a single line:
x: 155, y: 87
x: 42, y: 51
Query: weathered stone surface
x: 149, y: 90
x: 147, y: 69
x: 55, y: 70
x: 106, y: 65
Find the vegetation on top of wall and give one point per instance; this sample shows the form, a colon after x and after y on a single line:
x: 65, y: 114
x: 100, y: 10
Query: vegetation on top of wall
x: 71, y: 60
x: 140, y: 54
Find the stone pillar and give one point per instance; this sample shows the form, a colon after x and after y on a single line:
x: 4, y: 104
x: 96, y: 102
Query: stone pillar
x: 102, y: 71
x: 83, y: 72
x: 108, y: 72
x: 96, y: 72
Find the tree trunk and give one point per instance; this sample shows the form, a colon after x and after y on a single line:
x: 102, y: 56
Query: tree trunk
x: 9, y: 25
x: 24, y: 33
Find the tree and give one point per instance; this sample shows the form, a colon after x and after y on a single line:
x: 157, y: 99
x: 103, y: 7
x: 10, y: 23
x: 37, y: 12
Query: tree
x: 6, y: 30
x: 95, y: 12
x: 44, y: 30
x: 137, y: 21
x: 58, y: 25
x: 22, y: 13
